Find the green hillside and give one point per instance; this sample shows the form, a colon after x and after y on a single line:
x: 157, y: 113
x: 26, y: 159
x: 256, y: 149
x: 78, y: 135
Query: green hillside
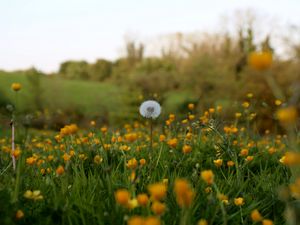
x: 94, y: 99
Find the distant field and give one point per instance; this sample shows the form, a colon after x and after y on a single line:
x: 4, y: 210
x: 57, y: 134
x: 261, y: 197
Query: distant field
x: 87, y: 97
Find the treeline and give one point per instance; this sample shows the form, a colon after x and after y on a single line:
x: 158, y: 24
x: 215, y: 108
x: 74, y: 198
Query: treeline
x: 195, y: 65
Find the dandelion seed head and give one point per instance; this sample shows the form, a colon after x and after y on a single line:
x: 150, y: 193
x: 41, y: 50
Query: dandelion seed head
x: 150, y: 109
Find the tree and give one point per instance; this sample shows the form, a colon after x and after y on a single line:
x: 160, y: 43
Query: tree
x: 100, y: 70
x: 75, y: 70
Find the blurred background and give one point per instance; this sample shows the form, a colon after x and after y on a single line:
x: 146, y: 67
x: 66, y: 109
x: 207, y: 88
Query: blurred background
x: 79, y: 61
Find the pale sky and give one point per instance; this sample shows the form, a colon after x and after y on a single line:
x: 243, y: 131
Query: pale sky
x: 44, y: 33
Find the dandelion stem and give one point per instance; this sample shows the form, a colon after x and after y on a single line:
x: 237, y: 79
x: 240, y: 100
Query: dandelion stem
x: 151, y: 134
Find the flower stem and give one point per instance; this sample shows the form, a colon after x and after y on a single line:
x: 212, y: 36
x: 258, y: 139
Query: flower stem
x: 224, y: 214
x: 17, y: 184
x: 151, y: 134
x: 242, y: 220
x: 13, y: 144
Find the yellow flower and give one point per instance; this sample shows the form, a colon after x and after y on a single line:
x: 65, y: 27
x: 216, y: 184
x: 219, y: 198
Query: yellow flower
x: 131, y: 137
x: 249, y: 158
x: 252, y: 116
x: 122, y: 197
x: 260, y: 60
x: 171, y: 117
x: 34, y: 195
x: 165, y: 181
x: 66, y: 157
x: 31, y: 160
x: 142, y: 162
x: 250, y: 95
x: 290, y: 159
x: 191, y: 117
x: 168, y: 122
x: 157, y: 191
x: 93, y: 123
x: 132, y: 163
x: 16, y: 86
x: 124, y: 148
x: 295, y: 189
x: 246, y: 105
x: 225, y: 201
x: 278, y: 102
x: 132, y: 176
x: 162, y: 138
x: 60, y: 170
x: 191, y: 106
x: 211, y: 110
x: 230, y: 163
x: 151, y: 220
x: 267, y: 222
x: 272, y: 150
x: 222, y: 197
x: 244, y: 152
x: 16, y: 153
x: 43, y: 171
x: 28, y: 194
x: 133, y: 203
x: 68, y: 130
x: 158, y: 208
x: 104, y: 129
x: 184, y: 194
x: 136, y: 220
x: 186, y: 149
x: 119, y: 139
x: 173, y: 142
x: 142, y: 199
x: 207, y: 176
x: 255, y: 216
x: 218, y: 162
x: 98, y: 159
x: 238, y: 115
x: 189, y: 136
x: 208, y: 190
x: 239, y: 201
x: 19, y: 214
x: 185, y: 121
x: 287, y: 116
x: 202, y: 222
x: 106, y: 146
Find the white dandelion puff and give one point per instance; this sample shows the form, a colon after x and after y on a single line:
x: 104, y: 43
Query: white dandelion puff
x: 150, y: 109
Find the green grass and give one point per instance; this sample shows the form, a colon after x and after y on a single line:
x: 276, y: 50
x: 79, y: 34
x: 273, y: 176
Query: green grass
x: 84, y: 193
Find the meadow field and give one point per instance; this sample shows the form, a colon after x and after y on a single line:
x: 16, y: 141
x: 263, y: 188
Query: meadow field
x: 185, y: 171
x: 79, y: 147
